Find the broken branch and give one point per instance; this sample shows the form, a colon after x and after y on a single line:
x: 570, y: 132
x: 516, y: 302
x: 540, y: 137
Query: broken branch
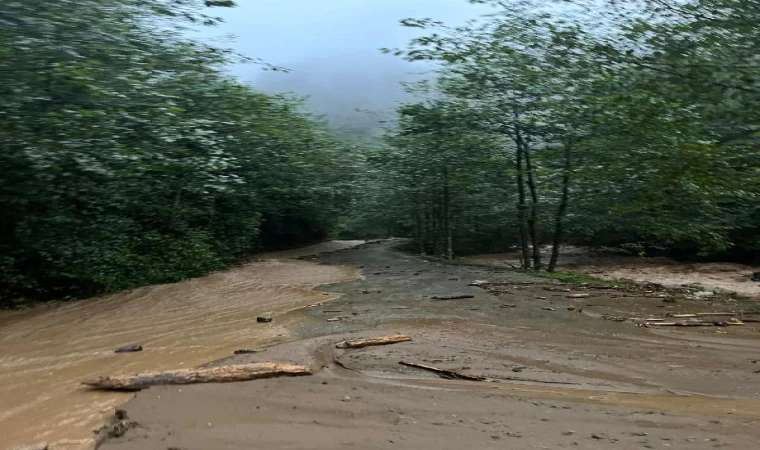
x: 443, y: 373
x: 383, y: 340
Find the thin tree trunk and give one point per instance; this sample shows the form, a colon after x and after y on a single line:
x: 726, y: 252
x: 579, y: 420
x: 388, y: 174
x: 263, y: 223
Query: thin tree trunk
x: 428, y: 230
x: 521, y: 210
x: 533, y: 220
x: 561, y: 211
x: 447, y: 214
x: 419, y: 229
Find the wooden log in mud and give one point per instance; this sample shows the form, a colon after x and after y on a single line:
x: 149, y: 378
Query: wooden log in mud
x: 707, y: 314
x: 455, y: 296
x: 695, y: 323
x: 443, y: 373
x: 222, y: 374
x: 129, y: 348
x: 383, y: 340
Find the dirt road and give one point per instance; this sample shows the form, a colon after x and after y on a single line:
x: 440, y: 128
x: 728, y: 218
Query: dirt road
x: 560, y: 376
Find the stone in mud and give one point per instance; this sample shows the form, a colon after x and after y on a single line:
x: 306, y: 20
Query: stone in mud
x: 264, y: 319
x: 129, y: 349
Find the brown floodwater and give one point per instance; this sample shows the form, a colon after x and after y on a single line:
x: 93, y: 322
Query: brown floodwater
x: 47, y: 351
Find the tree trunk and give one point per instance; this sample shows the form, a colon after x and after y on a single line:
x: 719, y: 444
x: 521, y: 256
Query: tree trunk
x: 447, y: 214
x: 561, y: 211
x: 533, y: 220
x: 521, y: 210
x: 419, y: 229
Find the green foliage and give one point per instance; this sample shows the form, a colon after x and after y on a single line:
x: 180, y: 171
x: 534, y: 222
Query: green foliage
x: 632, y: 125
x: 576, y: 278
x: 129, y: 158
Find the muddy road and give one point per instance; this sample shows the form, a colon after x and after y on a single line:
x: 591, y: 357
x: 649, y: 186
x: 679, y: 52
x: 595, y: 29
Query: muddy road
x: 47, y: 351
x: 560, y: 375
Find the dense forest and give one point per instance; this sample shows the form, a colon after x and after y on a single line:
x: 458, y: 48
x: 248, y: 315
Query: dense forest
x: 627, y: 125
x: 130, y: 157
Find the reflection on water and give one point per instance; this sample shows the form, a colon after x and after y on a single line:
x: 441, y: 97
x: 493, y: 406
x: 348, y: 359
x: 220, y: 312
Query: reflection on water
x: 47, y: 351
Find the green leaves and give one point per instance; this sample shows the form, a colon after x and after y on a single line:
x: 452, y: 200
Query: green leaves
x: 656, y: 103
x: 129, y: 159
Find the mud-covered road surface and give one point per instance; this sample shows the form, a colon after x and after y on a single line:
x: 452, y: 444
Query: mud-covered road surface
x: 560, y: 373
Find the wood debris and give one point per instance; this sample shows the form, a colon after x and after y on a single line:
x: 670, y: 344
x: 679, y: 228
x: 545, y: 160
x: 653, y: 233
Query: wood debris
x: 383, y: 340
x: 443, y: 373
x: 451, y: 296
x: 687, y: 315
x: 222, y: 374
x: 129, y: 349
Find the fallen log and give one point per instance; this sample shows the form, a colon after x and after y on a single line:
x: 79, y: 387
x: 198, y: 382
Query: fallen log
x: 129, y: 349
x: 695, y: 323
x: 222, y: 374
x: 452, y: 296
x: 383, y: 340
x: 443, y: 373
x: 688, y: 315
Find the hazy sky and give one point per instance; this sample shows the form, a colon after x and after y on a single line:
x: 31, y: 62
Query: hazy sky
x: 331, y: 46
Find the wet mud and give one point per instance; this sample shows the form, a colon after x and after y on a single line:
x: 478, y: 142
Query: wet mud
x: 559, y: 373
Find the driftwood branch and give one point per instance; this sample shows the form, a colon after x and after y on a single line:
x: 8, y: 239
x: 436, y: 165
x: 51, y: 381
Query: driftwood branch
x: 452, y: 296
x: 443, y: 373
x: 383, y: 340
x: 222, y: 374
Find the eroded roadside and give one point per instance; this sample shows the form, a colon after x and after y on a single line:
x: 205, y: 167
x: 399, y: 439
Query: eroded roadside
x: 560, y: 374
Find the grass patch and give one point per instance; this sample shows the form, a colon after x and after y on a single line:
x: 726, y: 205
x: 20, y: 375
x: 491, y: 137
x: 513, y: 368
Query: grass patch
x: 572, y: 277
x: 567, y: 277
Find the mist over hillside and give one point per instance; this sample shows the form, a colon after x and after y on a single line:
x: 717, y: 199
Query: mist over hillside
x: 331, y: 50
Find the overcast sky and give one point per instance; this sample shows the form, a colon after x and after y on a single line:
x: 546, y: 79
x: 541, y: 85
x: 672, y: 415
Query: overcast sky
x: 331, y: 46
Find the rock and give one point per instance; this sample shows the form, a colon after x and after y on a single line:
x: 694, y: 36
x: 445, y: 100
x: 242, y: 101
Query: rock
x: 546, y: 308
x: 568, y: 433
x: 571, y: 308
x: 599, y: 436
x: 129, y: 349
x: 577, y: 295
x: 265, y: 319
x: 755, y: 276
x: 478, y: 283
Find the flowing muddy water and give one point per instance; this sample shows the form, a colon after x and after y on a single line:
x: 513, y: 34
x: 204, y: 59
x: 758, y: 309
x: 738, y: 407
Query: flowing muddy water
x: 47, y: 351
